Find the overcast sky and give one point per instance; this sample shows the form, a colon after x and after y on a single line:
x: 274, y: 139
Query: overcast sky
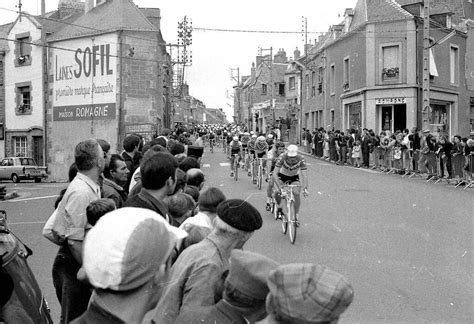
x: 215, y: 53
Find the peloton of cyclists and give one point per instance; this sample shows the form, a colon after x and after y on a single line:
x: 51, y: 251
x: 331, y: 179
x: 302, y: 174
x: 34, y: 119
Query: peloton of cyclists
x: 290, y: 168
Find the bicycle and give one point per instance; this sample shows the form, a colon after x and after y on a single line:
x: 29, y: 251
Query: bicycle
x: 289, y: 217
x: 236, y: 166
x: 260, y: 172
x: 211, y: 145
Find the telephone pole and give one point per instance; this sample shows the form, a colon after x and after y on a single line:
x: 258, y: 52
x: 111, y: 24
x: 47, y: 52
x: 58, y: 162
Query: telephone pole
x: 426, y: 108
x: 304, y: 32
x: 236, y: 78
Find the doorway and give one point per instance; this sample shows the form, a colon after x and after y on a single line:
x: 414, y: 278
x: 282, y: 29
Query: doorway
x: 393, y: 117
x: 38, y: 150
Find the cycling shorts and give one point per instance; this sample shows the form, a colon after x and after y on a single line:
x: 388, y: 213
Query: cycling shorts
x: 260, y: 155
x: 232, y: 152
x: 252, y: 152
x: 287, y: 179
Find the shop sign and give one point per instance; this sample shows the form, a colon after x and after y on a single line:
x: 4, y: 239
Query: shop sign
x: 84, y: 112
x: 139, y: 128
x: 390, y: 101
x: 262, y: 105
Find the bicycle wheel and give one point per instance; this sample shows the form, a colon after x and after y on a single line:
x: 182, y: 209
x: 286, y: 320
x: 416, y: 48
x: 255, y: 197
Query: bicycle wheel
x: 292, y: 221
x: 284, y: 223
x: 259, y: 177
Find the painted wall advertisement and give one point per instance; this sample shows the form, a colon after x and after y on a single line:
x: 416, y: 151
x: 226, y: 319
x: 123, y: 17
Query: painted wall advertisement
x: 84, y: 71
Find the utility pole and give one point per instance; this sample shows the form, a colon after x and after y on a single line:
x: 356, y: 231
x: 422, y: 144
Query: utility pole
x: 237, y: 90
x: 271, y: 79
x: 304, y: 33
x: 44, y: 82
x: 426, y: 108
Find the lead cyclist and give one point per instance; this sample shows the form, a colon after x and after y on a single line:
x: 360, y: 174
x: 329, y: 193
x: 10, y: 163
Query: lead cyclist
x: 288, y: 169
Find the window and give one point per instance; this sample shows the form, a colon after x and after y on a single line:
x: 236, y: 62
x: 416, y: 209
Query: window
x: 24, y: 99
x: 332, y: 80
x: 332, y: 119
x: 20, y: 146
x: 390, y: 69
x: 320, y: 79
x: 439, y: 118
x: 292, y: 83
x: 313, y: 84
x: 454, y: 65
x: 23, y: 49
x: 345, y: 85
x: 281, y: 89
x: 264, y: 89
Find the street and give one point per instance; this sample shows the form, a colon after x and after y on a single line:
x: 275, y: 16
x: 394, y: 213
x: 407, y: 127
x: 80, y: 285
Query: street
x: 404, y: 244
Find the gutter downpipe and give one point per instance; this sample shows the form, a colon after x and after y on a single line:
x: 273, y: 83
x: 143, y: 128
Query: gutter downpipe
x: 120, y: 110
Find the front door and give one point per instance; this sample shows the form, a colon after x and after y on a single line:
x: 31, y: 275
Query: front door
x: 38, y: 150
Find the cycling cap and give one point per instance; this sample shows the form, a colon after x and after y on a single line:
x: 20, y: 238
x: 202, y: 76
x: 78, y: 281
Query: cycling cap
x: 254, y: 136
x: 246, y: 134
x: 292, y: 150
x: 235, y: 138
x: 252, y: 132
x: 270, y: 135
x: 260, y: 138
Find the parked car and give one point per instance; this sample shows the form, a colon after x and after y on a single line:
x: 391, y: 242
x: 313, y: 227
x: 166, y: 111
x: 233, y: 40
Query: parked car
x: 21, y: 300
x: 21, y: 168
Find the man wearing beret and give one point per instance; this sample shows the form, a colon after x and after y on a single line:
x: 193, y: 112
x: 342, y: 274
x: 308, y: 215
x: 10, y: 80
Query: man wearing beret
x: 245, y: 290
x: 196, y: 276
x: 306, y: 293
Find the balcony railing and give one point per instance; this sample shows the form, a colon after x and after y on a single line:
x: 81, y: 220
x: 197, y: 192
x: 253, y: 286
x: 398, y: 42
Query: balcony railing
x: 390, y: 73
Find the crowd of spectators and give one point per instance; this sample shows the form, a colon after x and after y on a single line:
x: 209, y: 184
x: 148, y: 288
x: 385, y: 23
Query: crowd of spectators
x: 405, y: 152
x: 143, y: 240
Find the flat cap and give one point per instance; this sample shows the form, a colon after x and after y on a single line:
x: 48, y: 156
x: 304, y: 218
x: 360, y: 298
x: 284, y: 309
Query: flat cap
x: 308, y: 293
x: 240, y: 215
x: 248, y: 273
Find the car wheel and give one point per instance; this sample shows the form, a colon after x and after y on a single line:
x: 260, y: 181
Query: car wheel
x: 37, y: 180
x: 15, y: 178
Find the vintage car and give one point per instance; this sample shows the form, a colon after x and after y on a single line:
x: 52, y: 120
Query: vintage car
x: 21, y: 299
x: 21, y: 168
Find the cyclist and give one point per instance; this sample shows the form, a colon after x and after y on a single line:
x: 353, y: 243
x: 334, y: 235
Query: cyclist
x: 261, y: 150
x: 245, y: 138
x: 228, y: 140
x: 235, y: 148
x: 276, y: 151
x: 251, y: 148
x: 288, y: 168
x: 270, y: 140
x: 212, y: 138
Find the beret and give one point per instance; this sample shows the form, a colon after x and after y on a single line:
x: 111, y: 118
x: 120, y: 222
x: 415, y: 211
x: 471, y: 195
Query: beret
x: 240, y: 215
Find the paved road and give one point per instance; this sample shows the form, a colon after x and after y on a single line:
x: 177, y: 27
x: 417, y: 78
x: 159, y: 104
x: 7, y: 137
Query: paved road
x: 406, y: 245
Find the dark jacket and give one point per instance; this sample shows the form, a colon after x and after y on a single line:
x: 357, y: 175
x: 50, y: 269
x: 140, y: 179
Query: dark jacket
x: 145, y: 200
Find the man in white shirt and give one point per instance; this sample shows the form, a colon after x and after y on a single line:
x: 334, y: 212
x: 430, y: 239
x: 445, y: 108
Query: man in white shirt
x: 201, y: 224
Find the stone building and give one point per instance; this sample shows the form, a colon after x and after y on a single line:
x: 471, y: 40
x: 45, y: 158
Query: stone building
x: 106, y: 79
x: 367, y: 72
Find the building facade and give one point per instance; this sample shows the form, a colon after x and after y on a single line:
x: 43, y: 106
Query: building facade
x: 106, y: 80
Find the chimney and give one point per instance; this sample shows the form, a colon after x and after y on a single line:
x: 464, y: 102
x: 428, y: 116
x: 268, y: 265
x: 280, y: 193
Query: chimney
x: 68, y: 7
x: 296, y: 53
x: 252, y: 70
x: 307, y: 48
x: 89, y: 6
x: 280, y: 56
x: 348, y: 15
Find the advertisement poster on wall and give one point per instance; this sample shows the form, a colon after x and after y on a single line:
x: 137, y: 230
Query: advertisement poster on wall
x: 84, y: 72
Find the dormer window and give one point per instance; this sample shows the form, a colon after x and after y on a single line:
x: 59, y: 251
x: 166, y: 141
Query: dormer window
x: 22, y: 49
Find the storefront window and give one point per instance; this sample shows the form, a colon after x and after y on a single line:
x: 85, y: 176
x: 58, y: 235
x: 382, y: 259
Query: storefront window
x: 354, y: 115
x: 439, y: 119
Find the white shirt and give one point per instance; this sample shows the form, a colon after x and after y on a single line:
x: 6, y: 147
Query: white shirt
x: 133, y: 181
x: 200, y: 219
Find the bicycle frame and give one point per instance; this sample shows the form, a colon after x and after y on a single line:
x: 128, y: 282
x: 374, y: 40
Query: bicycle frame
x: 287, y: 193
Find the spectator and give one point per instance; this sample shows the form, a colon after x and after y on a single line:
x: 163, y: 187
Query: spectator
x: 443, y: 153
x: 181, y: 206
x: 307, y: 293
x: 181, y: 179
x: 116, y: 175
x: 365, y: 147
x: 195, y: 277
x: 106, y: 148
x: 458, y: 158
x: 175, y: 147
x: 71, y: 175
x: 201, y: 224
x: 195, y: 178
x: 193, y: 192
x: 245, y: 290
x: 189, y: 163
x: 98, y: 208
x: 131, y: 143
x: 158, y: 171
x: 72, y: 294
x: 125, y: 260
x: 356, y: 154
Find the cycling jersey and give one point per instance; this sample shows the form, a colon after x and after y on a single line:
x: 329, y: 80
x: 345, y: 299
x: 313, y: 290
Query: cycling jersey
x: 212, y: 136
x: 290, y: 167
x: 229, y: 139
x: 261, y: 147
x: 269, y: 141
x: 245, y: 139
x: 235, y: 147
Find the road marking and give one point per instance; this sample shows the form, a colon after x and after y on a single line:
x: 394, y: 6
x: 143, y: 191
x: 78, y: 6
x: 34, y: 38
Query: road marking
x: 206, y: 165
x: 224, y: 164
x: 25, y: 223
x: 32, y: 198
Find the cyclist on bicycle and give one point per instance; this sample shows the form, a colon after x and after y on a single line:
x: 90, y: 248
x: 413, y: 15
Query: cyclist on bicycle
x: 251, y: 148
x: 235, y: 148
x: 277, y: 150
x: 270, y: 140
x: 228, y: 140
x: 288, y: 168
x: 261, y: 150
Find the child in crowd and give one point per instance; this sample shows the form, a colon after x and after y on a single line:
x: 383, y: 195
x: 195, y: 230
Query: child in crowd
x: 99, y: 208
x: 356, y: 153
x: 180, y: 206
